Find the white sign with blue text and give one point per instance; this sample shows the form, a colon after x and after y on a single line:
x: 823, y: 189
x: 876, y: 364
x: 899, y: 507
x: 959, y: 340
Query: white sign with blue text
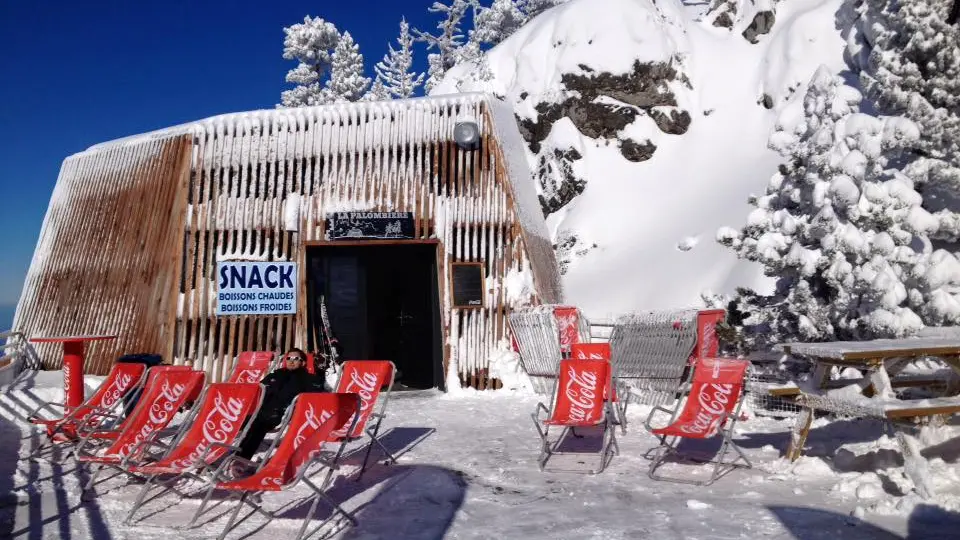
x: 256, y: 288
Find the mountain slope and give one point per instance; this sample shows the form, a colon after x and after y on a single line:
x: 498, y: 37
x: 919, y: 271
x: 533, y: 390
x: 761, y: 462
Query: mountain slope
x: 648, y: 126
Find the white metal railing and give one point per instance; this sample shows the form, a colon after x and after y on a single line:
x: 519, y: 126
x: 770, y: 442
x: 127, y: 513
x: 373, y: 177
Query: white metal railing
x: 18, y: 356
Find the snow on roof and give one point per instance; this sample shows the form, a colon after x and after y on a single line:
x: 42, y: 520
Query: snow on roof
x: 377, y: 123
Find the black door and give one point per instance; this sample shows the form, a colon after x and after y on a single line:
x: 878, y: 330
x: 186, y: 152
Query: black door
x: 383, y: 304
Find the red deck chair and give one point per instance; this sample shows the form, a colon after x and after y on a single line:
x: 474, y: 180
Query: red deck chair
x: 578, y: 401
x: 121, y: 380
x: 252, y: 367
x: 94, y: 429
x: 211, y: 431
x: 601, y: 351
x: 161, y: 400
x: 309, y: 423
x: 711, y: 408
x: 366, y: 378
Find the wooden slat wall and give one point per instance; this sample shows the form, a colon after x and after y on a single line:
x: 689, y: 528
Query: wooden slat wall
x: 246, y: 171
x: 102, y: 263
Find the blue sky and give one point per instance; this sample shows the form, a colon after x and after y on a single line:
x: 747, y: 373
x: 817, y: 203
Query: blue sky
x: 73, y: 74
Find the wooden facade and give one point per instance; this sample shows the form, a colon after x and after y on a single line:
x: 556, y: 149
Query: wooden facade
x: 135, y: 227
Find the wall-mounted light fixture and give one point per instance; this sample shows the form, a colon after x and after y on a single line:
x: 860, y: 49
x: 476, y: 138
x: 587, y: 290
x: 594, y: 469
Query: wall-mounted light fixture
x: 466, y: 133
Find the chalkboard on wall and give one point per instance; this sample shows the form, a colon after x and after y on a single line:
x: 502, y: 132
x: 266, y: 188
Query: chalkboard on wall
x: 467, y: 283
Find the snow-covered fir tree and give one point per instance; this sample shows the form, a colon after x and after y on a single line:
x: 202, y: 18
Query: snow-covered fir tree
x: 311, y: 44
x: 377, y: 92
x: 842, y: 230
x: 908, y: 55
x: 497, y: 22
x: 395, y: 72
x: 347, y: 81
x: 449, y: 42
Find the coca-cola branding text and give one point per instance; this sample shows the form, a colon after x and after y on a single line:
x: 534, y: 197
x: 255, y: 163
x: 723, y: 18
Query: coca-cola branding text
x: 713, y: 400
x: 220, y: 425
x: 158, y: 415
x: 581, y: 393
x: 364, y: 385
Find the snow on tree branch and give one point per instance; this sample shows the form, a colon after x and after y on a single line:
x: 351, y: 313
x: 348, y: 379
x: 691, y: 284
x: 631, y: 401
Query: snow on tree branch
x: 311, y: 44
x: 842, y: 229
x: 394, y: 72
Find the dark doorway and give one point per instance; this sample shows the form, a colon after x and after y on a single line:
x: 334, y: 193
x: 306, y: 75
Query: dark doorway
x: 382, y: 303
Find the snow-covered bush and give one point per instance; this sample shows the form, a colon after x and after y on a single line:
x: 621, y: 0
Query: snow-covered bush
x: 842, y: 229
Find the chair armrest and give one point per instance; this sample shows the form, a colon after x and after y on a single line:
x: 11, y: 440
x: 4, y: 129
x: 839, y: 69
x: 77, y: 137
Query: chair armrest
x: 661, y: 408
x: 33, y: 414
x: 211, y: 446
x: 140, y: 448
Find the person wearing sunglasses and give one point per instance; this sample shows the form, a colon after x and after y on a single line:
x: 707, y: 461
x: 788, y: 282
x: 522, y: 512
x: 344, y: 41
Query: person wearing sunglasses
x: 280, y: 388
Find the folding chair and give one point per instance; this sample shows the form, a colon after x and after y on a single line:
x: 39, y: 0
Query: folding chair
x: 252, y: 367
x: 711, y: 408
x: 366, y: 378
x: 601, y: 351
x: 578, y: 401
x: 219, y: 421
x: 165, y: 393
x: 309, y: 424
x: 121, y: 380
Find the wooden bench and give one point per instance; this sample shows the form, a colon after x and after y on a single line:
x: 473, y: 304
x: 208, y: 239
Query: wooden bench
x: 901, y: 382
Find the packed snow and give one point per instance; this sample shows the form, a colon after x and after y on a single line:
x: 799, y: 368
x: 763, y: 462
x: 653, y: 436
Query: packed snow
x: 467, y: 469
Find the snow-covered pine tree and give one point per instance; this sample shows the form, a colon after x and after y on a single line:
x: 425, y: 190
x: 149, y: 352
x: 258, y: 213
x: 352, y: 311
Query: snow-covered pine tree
x: 497, y: 22
x: 842, y: 230
x: 909, y: 57
x: 377, y: 92
x: 311, y: 44
x: 394, y: 72
x: 347, y: 82
x: 448, y: 42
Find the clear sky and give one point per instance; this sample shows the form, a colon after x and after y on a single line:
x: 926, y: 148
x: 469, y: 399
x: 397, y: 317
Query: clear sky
x: 73, y: 74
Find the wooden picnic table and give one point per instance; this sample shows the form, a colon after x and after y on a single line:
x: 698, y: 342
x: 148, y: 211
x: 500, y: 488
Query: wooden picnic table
x: 873, y: 395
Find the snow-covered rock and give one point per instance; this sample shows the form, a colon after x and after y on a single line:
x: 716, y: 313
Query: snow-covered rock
x: 647, y: 125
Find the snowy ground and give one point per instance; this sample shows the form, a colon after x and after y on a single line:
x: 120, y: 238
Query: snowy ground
x: 468, y: 470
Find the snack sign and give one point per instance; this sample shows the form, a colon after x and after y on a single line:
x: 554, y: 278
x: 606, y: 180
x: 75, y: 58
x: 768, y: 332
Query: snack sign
x: 256, y: 288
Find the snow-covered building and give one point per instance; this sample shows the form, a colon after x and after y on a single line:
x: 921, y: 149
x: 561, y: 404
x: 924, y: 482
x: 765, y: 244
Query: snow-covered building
x: 414, y: 245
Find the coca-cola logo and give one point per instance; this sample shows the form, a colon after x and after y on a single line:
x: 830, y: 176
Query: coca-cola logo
x: 116, y: 390
x: 709, y: 339
x: 66, y: 382
x: 364, y: 385
x: 250, y: 376
x: 217, y: 426
x: 581, y: 394
x: 311, y: 420
x: 713, y: 400
x: 567, y: 324
x: 159, y: 413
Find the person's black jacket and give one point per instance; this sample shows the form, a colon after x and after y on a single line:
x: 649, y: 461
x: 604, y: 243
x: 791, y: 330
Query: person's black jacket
x: 282, y: 386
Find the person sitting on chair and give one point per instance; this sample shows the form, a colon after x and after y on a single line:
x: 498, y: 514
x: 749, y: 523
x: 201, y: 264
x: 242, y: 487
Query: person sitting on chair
x: 280, y: 388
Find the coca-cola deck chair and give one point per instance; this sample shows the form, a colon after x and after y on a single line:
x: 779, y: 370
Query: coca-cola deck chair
x: 366, y: 378
x: 121, y: 380
x: 578, y: 401
x: 601, y: 351
x: 309, y: 423
x: 165, y: 392
x: 252, y: 367
x: 711, y: 409
x: 212, y: 430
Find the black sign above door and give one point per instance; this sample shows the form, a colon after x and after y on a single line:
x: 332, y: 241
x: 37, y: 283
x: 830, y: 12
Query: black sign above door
x: 377, y: 225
